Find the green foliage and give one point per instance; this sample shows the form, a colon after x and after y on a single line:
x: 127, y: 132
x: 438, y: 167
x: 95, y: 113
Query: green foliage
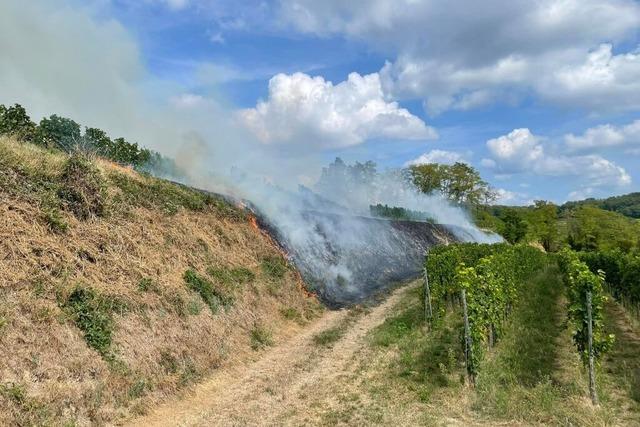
x: 514, y: 228
x: 153, y: 192
x: 580, y: 281
x: 261, y: 338
x: 490, y: 275
x: 459, y: 182
x: 291, y: 313
x: 590, y: 228
x: 622, y: 272
x: 58, y: 132
x: 231, y: 276
x: 212, y: 296
x: 82, y: 187
x: 14, y: 121
x: 275, y: 267
x: 329, y: 336
x: 55, y: 220
x: 627, y: 204
x: 384, y: 211
x: 91, y: 313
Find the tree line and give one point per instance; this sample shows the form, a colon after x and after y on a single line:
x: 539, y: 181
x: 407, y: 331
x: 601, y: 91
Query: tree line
x: 460, y: 183
x: 65, y: 134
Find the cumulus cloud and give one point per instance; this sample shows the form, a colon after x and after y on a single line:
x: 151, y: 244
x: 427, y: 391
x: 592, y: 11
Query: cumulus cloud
x: 521, y: 151
x: 464, y: 54
x: 605, y: 136
x: 438, y: 156
x: 513, y: 198
x: 307, y: 110
x: 602, y: 82
x: 515, y: 151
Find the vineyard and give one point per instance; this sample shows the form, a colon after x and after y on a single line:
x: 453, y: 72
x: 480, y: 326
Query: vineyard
x: 487, y: 281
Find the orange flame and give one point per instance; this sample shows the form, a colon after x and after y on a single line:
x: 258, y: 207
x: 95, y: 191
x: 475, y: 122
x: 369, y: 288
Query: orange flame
x: 254, y: 222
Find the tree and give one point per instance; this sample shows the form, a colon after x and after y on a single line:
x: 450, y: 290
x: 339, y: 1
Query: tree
x: 342, y: 180
x: 514, y: 228
x: 58, y: 132
x: 459, y: 182
x: 99, y: 141
x: 544, y: 220
x: 427, y: 177
x: 14, y: 121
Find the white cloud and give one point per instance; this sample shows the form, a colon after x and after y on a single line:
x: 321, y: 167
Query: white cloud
x: 308, y: 110
x: 604, y: 136
x: 515, y: 151
x: 603, y: 82
x: 514, y: 198
x: 464, y: 54
x: 581, y: 194
x: 438, y: 156
x: 523, y: 152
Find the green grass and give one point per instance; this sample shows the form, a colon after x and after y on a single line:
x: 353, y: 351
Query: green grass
x: 330, y: 336
x: 55, y: 220
x: 235, y: 276
x: 518, y: 381
x: 261, y: 338
x: 82, y: 187
x: 274, y: 267
x: 151, y: 192
x: 426, y: 360
x: 293, y: 314
x: 91, y: 313
x: 211, y: 295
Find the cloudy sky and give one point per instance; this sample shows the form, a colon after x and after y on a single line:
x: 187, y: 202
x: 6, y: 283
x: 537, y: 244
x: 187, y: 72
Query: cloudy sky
x: 543, y: 96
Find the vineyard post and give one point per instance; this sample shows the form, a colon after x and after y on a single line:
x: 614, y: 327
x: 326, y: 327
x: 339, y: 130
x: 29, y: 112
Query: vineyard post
x: 468, y: 349
x: 428, y: 312
x: 592, y: 378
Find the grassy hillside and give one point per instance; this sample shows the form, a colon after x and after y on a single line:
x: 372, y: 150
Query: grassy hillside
x: 627, y: 204
x: 118, y: 289
x: 581, y: 226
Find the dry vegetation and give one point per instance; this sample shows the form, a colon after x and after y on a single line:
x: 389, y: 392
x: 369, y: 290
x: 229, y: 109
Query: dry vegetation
x: 118, y: 289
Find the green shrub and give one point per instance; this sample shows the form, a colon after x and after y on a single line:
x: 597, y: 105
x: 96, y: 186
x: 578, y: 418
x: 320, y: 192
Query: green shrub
x: 138, y: 389
x: 291, y: 313
x: 275, y: 267
x: 91, y: 313
x: 261, y: 338
x: 82, y: 187
x: 194, y: 307
x: 233, y: 276
x: 329, y: 336
x: 13, y: 392
x: 211, y: 296
x: 56, y: 222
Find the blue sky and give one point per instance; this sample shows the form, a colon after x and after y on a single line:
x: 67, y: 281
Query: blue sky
x: 542, y: 97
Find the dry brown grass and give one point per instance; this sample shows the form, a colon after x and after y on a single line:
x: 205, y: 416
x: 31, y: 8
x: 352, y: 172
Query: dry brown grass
x: 161, y: 343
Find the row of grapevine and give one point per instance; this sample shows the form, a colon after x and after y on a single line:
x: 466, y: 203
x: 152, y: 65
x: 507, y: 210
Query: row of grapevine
x: 586, y: 296
x: 484, y: 280
x: 622, y: 272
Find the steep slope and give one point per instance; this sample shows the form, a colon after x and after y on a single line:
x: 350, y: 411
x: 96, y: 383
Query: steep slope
x: 118, y: 289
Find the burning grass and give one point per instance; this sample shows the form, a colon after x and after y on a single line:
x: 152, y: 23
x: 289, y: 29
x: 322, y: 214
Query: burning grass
x: 97, y: 321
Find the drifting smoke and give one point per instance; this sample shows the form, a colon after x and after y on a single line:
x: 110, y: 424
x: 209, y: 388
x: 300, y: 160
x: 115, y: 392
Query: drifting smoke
x: 101, y: 81
x: 343, y: 253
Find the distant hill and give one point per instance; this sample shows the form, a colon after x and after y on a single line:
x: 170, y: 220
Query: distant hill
x: 627, y: 205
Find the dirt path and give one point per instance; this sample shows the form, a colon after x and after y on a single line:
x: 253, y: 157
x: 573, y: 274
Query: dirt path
x: 264, y: 392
